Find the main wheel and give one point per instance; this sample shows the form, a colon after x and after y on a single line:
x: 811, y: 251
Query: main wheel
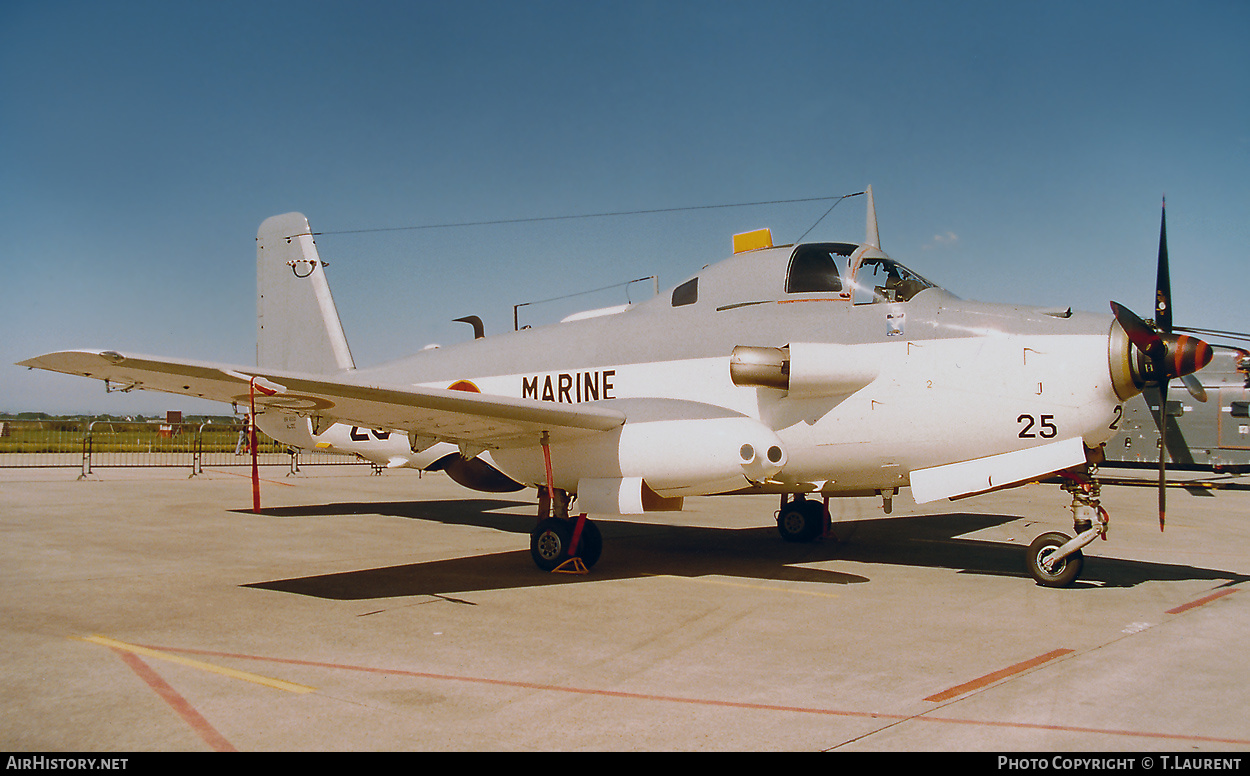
x: 801, y: 520
x: 549, y: 544
x: 589, y: 544
x: 1062, y: 574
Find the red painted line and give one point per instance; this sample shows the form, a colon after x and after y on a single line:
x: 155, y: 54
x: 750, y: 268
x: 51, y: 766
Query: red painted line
x: 988, y: 679
x: 720, y: 703
x: 1201, y: 601
x: 178, y: 703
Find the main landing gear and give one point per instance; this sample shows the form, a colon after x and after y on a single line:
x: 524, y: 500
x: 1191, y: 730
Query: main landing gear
x: 801, y: 520
x: 1054, y: 559
x: 562, y: 543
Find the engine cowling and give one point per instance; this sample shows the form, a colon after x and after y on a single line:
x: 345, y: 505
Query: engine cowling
x: 667, y: 448
x: 474, y: 474
x: 803, y: 368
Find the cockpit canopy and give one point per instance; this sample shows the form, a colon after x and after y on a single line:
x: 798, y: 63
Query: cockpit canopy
x: 859, y: 273
x: 888, y: 280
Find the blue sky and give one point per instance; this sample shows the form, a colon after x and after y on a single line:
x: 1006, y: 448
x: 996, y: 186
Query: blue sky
x: 1018, y: 153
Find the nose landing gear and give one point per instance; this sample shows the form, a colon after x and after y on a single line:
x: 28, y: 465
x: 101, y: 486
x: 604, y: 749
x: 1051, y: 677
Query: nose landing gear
x: 1055, y: 559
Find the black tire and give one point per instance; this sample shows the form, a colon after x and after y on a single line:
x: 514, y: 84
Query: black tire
x: 589, y: 544
x: 1062, y: 575
x: 801, y: 520
x: 549, y: 543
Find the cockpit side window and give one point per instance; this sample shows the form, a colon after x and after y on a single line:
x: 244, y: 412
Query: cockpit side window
x: 885, y: 280
x: 686, y: 293
x: 813, y: 268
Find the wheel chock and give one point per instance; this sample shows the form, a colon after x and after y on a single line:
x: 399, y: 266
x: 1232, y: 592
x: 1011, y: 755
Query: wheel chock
x: 573, y: 565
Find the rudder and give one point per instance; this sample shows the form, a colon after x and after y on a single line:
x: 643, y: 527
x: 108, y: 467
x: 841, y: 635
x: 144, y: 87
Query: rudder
x: 297, y: 324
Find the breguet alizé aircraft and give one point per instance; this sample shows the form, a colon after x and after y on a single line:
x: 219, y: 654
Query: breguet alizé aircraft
x: 808, y: 371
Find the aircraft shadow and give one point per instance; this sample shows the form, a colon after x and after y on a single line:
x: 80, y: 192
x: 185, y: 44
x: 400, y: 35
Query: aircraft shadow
x: 633, y: 550
x: 928, y: 541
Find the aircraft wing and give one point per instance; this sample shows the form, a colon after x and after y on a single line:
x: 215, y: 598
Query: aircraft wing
x: 468, y: 419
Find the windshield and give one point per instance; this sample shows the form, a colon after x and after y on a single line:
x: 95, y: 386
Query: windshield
x: 880, y: 279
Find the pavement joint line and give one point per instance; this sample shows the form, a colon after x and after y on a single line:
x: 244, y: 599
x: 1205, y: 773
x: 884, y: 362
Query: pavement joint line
x: 249, y: 476
x: 277, y: 684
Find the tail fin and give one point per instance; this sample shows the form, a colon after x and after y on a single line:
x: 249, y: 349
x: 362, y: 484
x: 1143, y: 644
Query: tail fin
x: 297, y: 325
x: 871, y: 237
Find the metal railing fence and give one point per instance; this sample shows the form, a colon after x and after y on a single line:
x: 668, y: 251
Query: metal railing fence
x: 91, y: 444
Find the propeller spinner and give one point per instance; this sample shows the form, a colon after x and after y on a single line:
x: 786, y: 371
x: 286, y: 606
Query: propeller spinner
x: 1164, y: 356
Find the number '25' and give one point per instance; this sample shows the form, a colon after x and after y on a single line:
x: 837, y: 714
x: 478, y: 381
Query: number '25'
x: 1045, y: 425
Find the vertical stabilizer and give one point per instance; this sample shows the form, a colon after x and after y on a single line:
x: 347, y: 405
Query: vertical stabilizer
x: 870, y: 236
x: 297, y: 324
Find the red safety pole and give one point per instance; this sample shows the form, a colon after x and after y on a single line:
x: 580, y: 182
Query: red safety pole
x: 252, y: 443
x: 551, y: 490
x: 551, y: 494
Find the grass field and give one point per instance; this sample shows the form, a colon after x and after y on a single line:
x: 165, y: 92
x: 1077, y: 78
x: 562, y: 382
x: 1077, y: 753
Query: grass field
x: 108, y: 437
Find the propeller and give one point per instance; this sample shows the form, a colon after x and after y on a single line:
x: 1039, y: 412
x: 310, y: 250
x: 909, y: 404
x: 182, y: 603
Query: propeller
x: 1166, y: 356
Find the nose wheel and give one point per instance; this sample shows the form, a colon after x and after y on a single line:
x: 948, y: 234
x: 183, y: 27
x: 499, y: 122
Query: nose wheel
x: 1045, y: 569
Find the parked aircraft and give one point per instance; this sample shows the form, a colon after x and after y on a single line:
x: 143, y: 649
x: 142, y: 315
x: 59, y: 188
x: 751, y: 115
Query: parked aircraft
x: 1211, y: 436
x: 1193, y: 433
x: 386, y: 449
x: 809, y: 371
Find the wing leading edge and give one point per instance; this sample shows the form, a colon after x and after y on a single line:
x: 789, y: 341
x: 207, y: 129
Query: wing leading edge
x: 467, y: 419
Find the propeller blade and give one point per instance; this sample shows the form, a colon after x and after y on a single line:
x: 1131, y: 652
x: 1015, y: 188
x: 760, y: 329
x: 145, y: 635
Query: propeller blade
x: 1146, y: 339
x: 1163, y: 452
x: 1163, y: 283
x: 1167, y: 355
x: 1194, y: 386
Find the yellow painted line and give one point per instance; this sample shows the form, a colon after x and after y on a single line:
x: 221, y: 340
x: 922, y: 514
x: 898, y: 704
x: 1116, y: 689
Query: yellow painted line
x: 277, y: 684
x: 723, y: 583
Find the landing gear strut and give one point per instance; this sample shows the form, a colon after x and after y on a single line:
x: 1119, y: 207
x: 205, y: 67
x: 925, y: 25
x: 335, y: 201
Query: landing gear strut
x: 1054, y: 559
x: 561, y: 543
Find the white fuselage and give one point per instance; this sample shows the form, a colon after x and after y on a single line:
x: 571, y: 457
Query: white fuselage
x: 880, y: 385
